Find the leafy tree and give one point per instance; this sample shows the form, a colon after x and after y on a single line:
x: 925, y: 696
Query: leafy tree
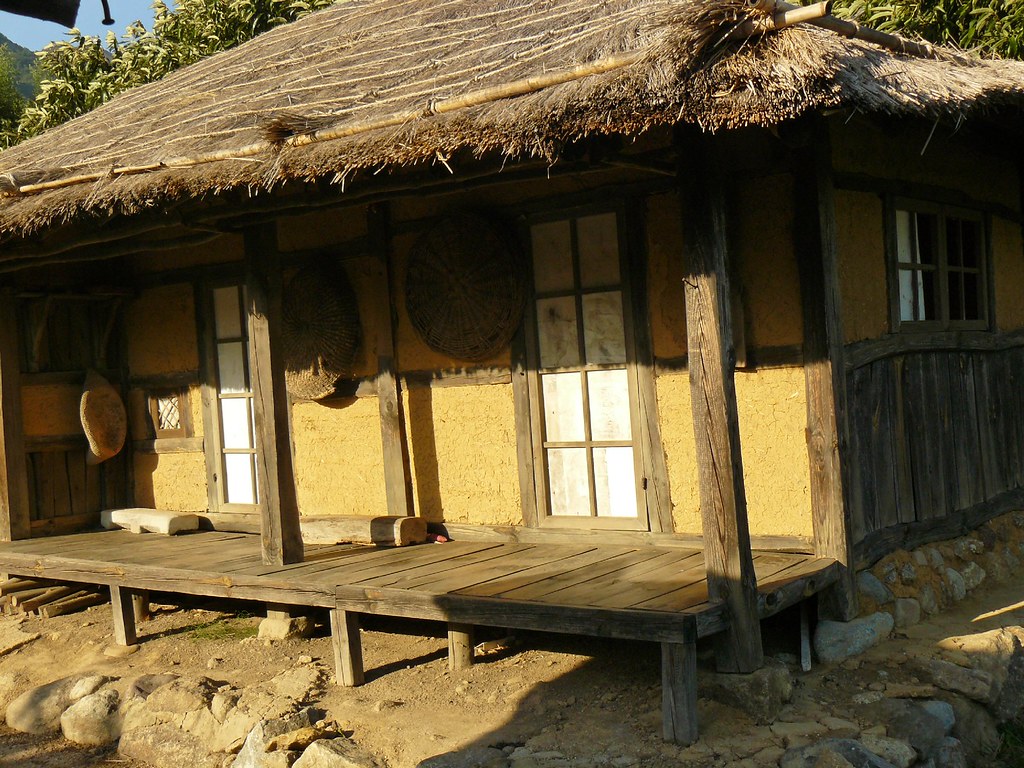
x: 80, y: 73
x: 993, y: 27
x: 11, y: 101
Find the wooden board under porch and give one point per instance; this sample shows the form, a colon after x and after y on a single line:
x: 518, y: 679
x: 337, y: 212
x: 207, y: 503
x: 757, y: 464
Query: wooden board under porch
x: 640, y: 593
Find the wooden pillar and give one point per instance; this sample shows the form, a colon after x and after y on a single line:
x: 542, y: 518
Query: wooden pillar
x: 824, y: 369
x: 397, y: 481
x: 348, y: 648
x: 14, y: 512
x: 679, y: 692
x: 460, y: 646
x: 121, y: 599
x: 279, y: 508
x: 711, y: 360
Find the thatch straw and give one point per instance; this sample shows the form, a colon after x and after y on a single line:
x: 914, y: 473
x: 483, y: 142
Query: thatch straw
x: 379, y: 83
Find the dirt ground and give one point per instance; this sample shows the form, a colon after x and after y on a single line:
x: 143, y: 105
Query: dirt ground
x: 581, y: 697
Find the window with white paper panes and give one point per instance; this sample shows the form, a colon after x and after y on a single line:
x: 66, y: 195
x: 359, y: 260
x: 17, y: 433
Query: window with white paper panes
x: 236, y: 446
x: 583, y: 378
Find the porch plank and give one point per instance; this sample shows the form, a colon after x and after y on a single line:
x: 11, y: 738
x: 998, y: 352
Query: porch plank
x: 537, y: 573
x: 425, y: 574
x: 595, y: 589
x: 469, y: 576
x: 615, y: 562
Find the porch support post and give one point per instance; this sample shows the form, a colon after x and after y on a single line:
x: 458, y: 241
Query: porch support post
x: 711, y: 360
x: 14, y: 513
x: 279, y: 508
x: 397, y: 481
x: 348, y: 648
x: 460, y: 646
x: 121, y: 600
x: 679, y: 692
x: 824, y: 368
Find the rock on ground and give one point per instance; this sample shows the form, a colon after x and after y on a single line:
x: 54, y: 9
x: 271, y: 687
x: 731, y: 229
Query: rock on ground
x: 853, y: 752
x: 472, y: 757
x: 164, y: 746
x: 896, y: 751
x: 906, y: 612
x: 835, y: 641
x: 869, y: 586
x: 920, y: 724
x: 760, y: 694
x: 972, y: 683
x: 38, y: 710
x: 334, y: 753
x: 294, y: 628
x: 977, y: 731
x: 93, y: 720
x: 12, y: 638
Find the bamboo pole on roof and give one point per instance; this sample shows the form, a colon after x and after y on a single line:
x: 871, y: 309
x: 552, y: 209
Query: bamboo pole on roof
x: 848, y: 28
x: 780, y: 19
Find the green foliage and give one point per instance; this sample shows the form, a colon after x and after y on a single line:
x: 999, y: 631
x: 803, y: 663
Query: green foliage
x: 225, y: 628
x: 987, y: 26
x: 81, y: 74
x: 11, y: 101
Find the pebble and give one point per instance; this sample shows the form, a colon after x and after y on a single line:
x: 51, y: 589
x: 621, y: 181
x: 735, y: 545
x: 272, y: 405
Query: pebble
x: 305, y: 659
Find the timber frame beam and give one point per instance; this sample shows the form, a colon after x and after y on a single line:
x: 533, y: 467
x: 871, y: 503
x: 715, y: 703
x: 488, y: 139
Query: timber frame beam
x: 824, y: 368
x: 279, y: 508
x: 723, y: 502
x: 14, y: 500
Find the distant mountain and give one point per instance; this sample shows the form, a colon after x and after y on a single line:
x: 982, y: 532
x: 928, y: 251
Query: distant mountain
x: 24, y: 63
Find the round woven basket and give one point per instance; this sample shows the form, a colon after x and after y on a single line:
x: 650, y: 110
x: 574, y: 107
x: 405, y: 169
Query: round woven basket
x: 104, y: 419
x: 464, y: 289
x: 320, y: 331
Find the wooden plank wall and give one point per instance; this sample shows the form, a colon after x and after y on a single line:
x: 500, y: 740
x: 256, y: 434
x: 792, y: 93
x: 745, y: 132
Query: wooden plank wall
x: 937, y: 438
x: 60, y: 338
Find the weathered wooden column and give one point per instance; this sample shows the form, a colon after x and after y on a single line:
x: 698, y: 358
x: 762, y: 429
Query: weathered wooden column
x: 824, y: 369
x: 279, y: 509
x: 14, y: 512
x: 397, y: 482
x: 710, y: 362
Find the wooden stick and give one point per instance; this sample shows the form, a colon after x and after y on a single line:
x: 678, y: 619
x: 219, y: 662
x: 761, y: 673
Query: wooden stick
x: 72, y: 604
x: 18, y: 598
x: 11, y: 586
x: 49, y: 596
x: 848, y: 28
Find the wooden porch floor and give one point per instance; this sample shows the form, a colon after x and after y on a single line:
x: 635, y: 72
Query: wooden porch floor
x: 643, y: 592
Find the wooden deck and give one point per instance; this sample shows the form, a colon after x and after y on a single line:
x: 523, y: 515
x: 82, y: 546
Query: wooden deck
x: 644, y: 593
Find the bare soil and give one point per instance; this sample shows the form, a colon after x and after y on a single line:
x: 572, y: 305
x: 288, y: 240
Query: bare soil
x: 585, y: 698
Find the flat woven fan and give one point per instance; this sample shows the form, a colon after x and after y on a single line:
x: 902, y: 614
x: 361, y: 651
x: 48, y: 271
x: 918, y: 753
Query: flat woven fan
x: 104, y: 420
x: 464, y: 289
x: 320, y: 331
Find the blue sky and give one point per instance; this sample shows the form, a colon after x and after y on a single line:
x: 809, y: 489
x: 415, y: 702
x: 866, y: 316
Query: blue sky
x: 35, y: 34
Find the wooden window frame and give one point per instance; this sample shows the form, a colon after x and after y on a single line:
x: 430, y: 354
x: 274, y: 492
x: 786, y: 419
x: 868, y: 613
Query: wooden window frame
x: 210, y: 388
x: 653, y: 505
x: 153, y: 397
x: 942, y: 269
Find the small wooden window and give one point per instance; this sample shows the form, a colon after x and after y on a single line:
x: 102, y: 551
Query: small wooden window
x: 170, y: 413
x: 939, y: 255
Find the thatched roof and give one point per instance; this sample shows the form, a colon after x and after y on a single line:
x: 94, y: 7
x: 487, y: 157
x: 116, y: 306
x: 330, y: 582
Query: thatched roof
x: 578, y: 67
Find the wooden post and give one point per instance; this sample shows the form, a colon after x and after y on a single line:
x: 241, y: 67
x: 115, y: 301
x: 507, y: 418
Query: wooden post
x: 279, y: 508
x: 124, y: 616
x: 348, y: 648
x: 824, y: 369
x: 140, y: 606
x: 460, y: 646
x: 679, y: 692
x: 711, y: 363
x: 397, y: 480
x: 14, y: 502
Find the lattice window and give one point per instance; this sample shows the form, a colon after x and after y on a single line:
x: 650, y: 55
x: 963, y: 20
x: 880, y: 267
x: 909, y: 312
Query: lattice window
x: 169, y: 413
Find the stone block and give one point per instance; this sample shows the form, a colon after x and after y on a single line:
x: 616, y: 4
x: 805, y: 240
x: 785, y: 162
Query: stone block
x: 139, y: 520
x: 869, y: 585
x: 93, y: 720
x: 974, y: 684
x: 292, y: 628
x: 974, y: 574
x: 906, y: 612
x: 957, y: 585
x: 837, y: 640
x: 761, y: 694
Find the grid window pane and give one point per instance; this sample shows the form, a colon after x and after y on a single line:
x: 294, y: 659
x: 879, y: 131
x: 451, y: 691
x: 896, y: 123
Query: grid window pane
x: 237, y: 423
x: 563, y: 407
x: 227, y: 313
x: 917, y: 295
x: 598, y: 244
x: 568, y: 482
x: 168, y: 414
x: 552, y: 256
x: 239, y: 476
x: 231, y: 367
x: 556, y: 329
x: 609, y: 405
x: 605, y: 334
x: 615, y: 482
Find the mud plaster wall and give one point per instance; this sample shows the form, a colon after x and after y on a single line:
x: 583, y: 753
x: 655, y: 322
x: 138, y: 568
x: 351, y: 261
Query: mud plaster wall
x: 860, y: 236
x: 772, y: 413
x: 223, y: 249
x: 462, y: 443
x: 1008, y: 270
x: 162, y: 340
x: 339, y: 463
